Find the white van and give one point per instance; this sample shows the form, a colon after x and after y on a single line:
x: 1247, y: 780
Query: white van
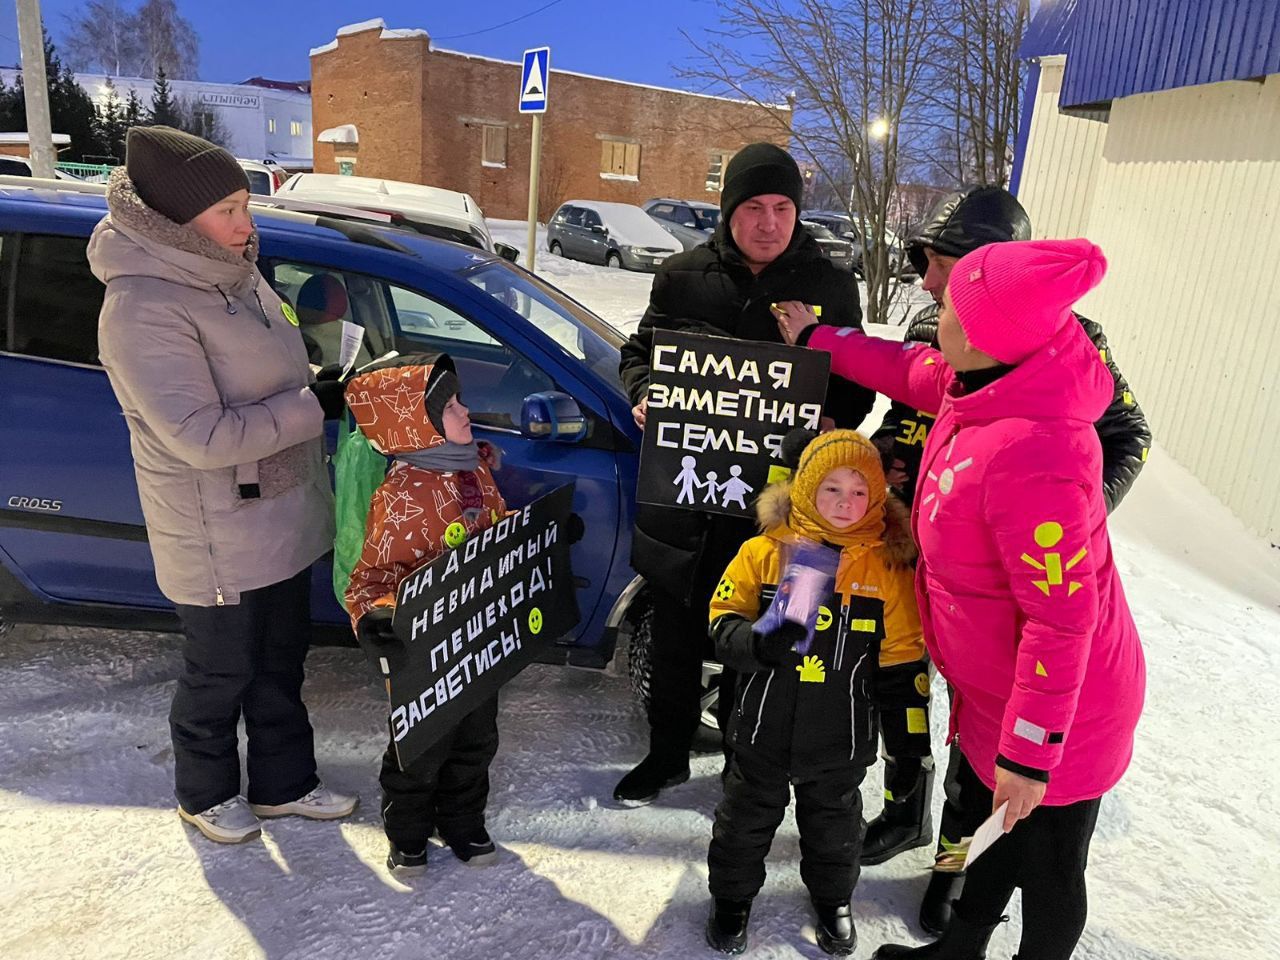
x: 434, y: 211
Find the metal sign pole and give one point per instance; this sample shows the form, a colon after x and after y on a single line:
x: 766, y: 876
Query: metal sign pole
x: 36, y: 84
x: 535, y: 154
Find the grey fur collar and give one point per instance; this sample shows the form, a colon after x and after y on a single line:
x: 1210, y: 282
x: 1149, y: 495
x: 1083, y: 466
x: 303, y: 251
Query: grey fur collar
x: 129, y: 210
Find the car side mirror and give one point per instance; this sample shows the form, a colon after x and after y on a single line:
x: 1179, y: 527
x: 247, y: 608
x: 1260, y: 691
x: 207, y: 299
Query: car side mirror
x: 552, y: 415
x: 596, y: 228
x: 506, y: 251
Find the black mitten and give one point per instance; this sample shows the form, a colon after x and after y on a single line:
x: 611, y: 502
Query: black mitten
x: 771, y: 648
x: 378, y: 639
x: 330, y: 395
x: 331, y: 372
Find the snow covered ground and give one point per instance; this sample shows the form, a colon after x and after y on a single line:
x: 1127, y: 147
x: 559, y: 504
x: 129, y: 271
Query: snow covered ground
x: 95, y: 863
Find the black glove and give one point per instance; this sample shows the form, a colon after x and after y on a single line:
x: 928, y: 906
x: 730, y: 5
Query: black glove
x: 574, y: 528
x: 375, y: 636
x: 332, y: 372
x: 771, y: 648
x: 330, y: 395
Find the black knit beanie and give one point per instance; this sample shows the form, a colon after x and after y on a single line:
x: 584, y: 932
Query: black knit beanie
x: 179, y: 175
x: 442, y: 386
x: 756, y: 169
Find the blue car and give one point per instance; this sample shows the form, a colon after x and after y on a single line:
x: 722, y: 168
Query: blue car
x: 73, y: 547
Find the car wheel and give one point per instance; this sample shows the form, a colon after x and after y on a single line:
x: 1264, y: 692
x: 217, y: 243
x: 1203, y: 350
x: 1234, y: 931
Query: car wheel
x: 640, y: 673
x: 613, y: 260
x: 556, y: 249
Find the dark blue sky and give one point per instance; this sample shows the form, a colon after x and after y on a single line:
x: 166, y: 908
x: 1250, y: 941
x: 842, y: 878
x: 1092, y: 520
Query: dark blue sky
x: 628, y: 40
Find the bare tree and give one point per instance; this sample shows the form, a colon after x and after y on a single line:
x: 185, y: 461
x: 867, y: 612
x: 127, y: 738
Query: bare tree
x: 553, y: 180
x: 860, y: 75
x: 103, y: 37
x: 982, y: 99
x: 169, y: 41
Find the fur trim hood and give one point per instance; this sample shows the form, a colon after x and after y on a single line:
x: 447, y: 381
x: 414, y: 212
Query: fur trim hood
x: 135, y: 240
x: 773, y: 513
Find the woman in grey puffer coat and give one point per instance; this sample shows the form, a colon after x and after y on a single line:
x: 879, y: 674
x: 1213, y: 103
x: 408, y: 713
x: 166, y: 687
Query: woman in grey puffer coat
x: 226, y: 423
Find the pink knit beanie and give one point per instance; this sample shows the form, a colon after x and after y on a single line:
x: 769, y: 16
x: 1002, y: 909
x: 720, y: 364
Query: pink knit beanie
x: 1012, y: 298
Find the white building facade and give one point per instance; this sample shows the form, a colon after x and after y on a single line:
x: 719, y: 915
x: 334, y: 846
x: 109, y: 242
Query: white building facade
x: 1172, y: 165
x: 263, y: 120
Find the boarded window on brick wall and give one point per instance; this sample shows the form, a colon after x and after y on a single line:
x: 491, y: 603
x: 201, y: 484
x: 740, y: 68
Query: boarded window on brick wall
x: 494, y: 149
x: 715, y: 171
x: 619, y: 160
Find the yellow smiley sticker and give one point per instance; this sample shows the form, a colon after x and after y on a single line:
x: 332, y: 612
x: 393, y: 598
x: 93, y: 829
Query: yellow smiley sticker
x: 289, y: 313
x: 824, y: 619
x: 922, y: 684
x: 535, y: 621
x: 454, y: 535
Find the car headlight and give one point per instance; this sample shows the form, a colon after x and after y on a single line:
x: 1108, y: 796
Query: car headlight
x: 626, y: 248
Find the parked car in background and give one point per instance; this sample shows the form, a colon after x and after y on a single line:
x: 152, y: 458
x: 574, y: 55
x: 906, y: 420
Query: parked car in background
x: 847, y: 228
x: 433, y: 211
x: 264, y: 178
x: 540, y: 371
x: 694, y: 214
x: 614, y: 234
x: 840, y: 252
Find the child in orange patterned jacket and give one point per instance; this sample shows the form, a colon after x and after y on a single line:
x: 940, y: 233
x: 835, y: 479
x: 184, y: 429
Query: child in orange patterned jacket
x: 439, y: 490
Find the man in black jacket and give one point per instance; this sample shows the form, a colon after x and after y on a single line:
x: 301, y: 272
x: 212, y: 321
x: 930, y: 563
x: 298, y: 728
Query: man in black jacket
x: 726, y: 287
x: 958, y: 224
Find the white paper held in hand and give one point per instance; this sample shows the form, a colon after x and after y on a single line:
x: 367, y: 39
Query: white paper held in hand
x: 992, y: 829
x: 352, y: 337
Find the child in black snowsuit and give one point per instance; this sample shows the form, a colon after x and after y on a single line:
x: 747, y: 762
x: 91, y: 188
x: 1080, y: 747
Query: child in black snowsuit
x: 808, y: 720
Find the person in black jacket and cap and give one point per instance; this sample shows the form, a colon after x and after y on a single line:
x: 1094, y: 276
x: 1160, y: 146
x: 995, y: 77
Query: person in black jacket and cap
x: 959, y: 223
x: 758, y: 259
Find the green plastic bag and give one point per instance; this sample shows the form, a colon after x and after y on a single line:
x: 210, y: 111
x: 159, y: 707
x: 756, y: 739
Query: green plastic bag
x: 358, y: 471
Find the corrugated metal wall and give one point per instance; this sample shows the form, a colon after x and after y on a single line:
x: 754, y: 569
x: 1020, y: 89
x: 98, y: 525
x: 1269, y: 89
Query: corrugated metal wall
x: 1186, y: 206
x: 1059, y: 169
x: 1123, y: 47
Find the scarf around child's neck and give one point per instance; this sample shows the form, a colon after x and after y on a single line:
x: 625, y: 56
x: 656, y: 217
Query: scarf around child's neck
x: 448, y: 457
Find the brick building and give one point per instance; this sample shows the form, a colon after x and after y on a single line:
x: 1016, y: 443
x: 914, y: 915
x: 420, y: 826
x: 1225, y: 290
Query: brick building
x: 385, y: 103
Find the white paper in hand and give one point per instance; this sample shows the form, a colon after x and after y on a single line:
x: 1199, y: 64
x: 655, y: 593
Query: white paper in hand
x: 352, y: 337
x: 992, y: 829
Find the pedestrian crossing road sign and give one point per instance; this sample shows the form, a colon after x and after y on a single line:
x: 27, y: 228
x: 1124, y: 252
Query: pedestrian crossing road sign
x: 533, y: 80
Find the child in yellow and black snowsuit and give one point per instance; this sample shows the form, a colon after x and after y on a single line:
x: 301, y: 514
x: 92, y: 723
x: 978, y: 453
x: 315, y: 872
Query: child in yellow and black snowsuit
x: 809, y: 721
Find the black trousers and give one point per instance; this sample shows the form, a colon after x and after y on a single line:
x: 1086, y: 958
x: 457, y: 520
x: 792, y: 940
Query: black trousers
x: 1045, y: 855
x: 244, y: 658
x: 446, y: 788
x: 828, y: 813
x: 680, y: 644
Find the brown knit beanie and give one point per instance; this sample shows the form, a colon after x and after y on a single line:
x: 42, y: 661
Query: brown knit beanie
x: 180, y: 175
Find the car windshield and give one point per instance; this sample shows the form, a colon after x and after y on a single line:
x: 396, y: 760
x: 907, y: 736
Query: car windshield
x: 577, y: 331
x: 707, y: 217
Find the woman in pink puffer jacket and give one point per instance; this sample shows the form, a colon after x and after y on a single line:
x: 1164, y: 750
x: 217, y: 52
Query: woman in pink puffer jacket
x: 1022, y: 606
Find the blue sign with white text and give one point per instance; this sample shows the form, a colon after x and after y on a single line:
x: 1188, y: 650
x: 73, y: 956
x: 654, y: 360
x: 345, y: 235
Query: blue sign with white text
x: 533, y: 80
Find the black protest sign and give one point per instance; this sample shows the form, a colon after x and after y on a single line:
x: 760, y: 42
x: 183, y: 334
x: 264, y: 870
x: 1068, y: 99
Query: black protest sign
x: 476, y: 616
x: 718, y: 410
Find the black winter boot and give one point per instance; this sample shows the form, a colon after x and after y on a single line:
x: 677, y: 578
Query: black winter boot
x: 964, y: 940
x: 727, y: 925
x: 836, y: 933
x: 404, y: 865
x: 935, y: 909
x: 650, y: 777
x: 907, y: 819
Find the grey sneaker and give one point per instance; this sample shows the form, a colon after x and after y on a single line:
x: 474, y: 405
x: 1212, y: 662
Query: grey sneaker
x: 320, y: 804
x: 228, y: 822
